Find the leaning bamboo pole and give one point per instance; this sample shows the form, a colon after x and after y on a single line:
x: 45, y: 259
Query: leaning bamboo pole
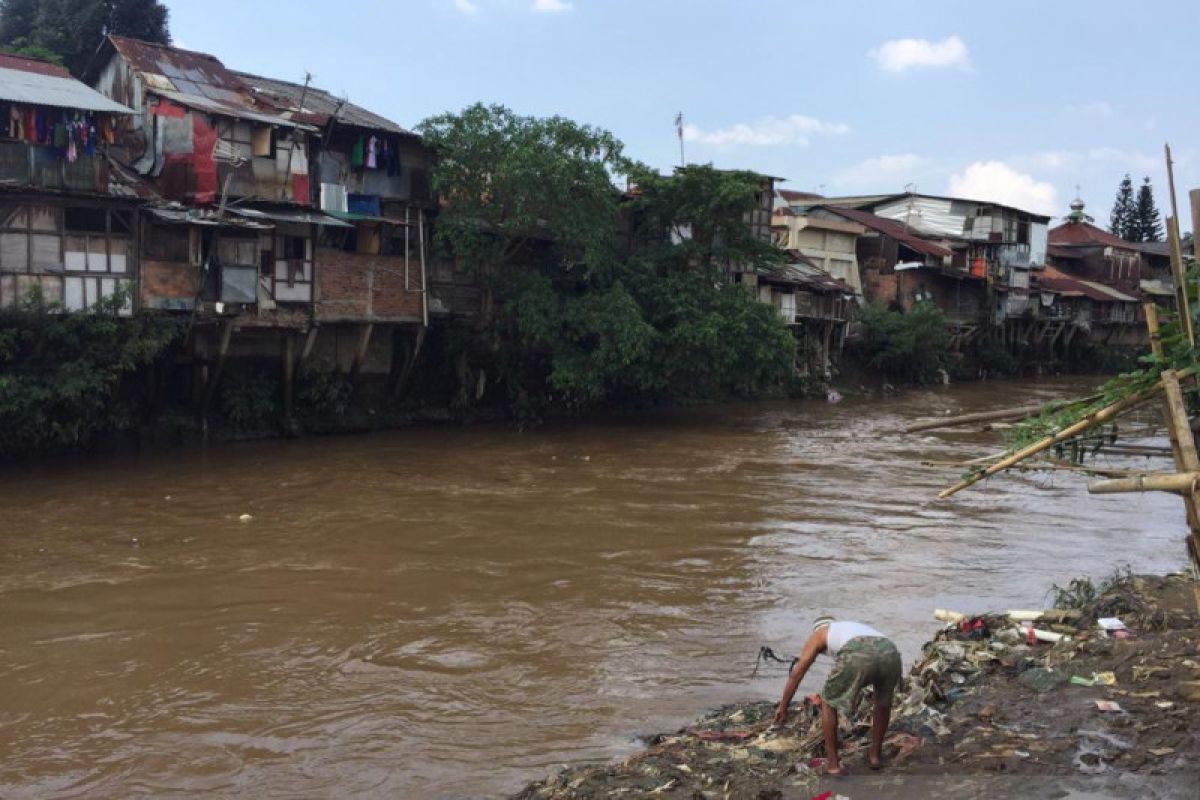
x: 1153, y: 482
x: 1090, y: 421
x: 1001, y: 415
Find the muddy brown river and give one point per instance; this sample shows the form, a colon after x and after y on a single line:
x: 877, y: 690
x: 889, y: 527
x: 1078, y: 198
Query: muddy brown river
x: 453, y: 612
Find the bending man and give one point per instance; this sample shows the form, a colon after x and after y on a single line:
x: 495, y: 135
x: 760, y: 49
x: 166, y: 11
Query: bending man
x: 863, y: 657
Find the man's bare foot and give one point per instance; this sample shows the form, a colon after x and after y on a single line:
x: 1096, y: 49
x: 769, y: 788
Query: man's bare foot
x: 876, y: 763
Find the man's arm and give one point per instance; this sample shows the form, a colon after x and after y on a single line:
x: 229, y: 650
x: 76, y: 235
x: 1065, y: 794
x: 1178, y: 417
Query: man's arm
x: 812, y: 648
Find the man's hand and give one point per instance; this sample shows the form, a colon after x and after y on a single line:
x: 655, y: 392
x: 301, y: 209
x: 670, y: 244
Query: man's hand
x: 781, y: 717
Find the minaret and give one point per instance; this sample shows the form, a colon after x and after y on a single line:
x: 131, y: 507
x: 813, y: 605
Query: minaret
x: 1076, y: 214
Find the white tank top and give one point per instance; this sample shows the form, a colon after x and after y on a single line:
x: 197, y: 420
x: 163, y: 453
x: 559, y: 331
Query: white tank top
x: 843, y: 631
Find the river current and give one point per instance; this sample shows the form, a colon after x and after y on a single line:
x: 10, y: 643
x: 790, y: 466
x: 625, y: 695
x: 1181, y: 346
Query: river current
x: 453, y: 612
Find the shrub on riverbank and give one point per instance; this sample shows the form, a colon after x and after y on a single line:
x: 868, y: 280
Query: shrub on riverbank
x: 912, y: 346
x: 62, y: 375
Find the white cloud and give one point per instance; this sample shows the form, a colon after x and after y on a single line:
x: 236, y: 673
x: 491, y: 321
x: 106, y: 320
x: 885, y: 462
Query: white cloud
x: 881, y: 170
x: 772, y: 131
x: 1101, y: 108
x: 551, y: 6
x: 900, y: 55
x: 466, y: 6
x: 1000, y: 183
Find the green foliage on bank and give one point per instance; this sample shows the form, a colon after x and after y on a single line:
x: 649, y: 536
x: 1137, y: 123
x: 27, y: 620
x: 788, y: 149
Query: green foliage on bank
x: 61, y: 374
x: 912, y: 346
x: 596, y: 297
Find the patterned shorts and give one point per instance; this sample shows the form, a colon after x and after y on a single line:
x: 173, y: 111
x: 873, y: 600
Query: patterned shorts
x: 863, y: 661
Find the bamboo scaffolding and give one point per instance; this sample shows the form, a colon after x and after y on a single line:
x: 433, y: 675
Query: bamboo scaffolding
x: 1176, y: 250
x: 1092, y: 420
x: 1152, y: 482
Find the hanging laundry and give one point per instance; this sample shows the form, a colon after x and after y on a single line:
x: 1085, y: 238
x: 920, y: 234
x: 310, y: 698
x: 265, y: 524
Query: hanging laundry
x: 41, y: 125
x: 16, y: 129
x: 356, y: 154
x: 372, y: 152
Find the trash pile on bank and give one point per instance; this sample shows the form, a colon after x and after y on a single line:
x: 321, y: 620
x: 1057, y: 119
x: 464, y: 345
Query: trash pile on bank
x: 1112, y: 686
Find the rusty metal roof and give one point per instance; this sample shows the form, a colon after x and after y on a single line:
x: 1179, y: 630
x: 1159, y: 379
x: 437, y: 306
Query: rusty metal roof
x: 1057, y: 281
x: 892, y: 228
x: 197, y: 80
x: 39, y: 83
x: 319, y: 105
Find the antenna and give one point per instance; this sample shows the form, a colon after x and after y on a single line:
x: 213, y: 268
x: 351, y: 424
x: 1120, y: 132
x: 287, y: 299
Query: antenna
x: 679, y: 132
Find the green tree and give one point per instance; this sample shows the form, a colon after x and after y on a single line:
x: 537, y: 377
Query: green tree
x: 1149, y: 221
x: 588, y: 300
x: 1122, y: 221
x: 18, y: 19
x: 69, y: 31
x: 912, y: 346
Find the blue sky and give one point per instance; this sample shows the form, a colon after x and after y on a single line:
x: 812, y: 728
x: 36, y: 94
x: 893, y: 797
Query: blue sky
x: 1017, y: 102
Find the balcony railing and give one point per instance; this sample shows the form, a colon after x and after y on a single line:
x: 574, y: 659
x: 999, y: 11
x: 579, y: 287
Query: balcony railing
x: 43, y: 167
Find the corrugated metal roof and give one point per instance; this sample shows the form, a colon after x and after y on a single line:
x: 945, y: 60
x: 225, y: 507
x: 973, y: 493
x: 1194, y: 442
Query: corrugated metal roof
x: 319, y: 105
x: 43, y: 89
x: 229, y: 110
x: 1057, y: 281
x: 197, y: 80
x: 289, y: 215
x: 893, y: 229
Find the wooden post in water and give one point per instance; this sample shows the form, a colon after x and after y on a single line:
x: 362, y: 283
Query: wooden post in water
x: 289, y: 372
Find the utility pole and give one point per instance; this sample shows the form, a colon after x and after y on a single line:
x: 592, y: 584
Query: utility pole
x: 679, y: 132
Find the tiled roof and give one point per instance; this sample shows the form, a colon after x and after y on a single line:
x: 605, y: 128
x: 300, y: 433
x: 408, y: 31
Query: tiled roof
x: 1085, y: 233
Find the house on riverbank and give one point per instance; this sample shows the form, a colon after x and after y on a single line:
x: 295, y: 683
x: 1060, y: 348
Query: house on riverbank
x: 290, y: 224
x: 68, y: 215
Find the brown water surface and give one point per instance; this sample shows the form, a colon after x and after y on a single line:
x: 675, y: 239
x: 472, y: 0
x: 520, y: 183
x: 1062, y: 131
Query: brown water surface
x: 449, y: 613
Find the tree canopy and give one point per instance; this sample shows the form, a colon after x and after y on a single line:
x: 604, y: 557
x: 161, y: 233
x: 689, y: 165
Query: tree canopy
x: 68, y: 32
x: 1149, y: 221
x: 594, y: 294
x: 1122, y: 222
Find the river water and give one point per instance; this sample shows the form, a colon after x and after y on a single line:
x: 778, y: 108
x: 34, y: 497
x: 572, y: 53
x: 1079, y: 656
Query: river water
x: 453, y: 612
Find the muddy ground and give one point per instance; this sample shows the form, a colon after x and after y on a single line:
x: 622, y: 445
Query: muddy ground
x: 983, y: 717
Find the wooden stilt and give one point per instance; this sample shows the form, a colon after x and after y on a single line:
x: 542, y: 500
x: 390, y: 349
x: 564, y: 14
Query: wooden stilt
x: 410, y: 361
x: 210, y: 388
x: 289, y: 372
x: 360, y: 350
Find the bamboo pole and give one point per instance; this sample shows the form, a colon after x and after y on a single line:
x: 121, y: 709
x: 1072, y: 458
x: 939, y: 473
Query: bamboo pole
x: 1177, y: 268
x: 1090, y: 421
x: 1154, y: 482
x: 1001, y: 415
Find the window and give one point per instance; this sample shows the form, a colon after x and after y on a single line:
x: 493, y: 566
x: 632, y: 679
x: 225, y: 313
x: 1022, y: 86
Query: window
x: 30, y: 239
x: 293, y: 278
x: 237, y: 138
x: 91, y: 245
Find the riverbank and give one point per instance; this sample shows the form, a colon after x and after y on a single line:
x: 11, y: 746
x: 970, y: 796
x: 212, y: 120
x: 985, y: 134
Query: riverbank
x: 984, y: 714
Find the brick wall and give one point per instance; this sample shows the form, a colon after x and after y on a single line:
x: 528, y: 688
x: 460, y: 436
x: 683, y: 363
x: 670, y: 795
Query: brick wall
x: 354, y: 286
